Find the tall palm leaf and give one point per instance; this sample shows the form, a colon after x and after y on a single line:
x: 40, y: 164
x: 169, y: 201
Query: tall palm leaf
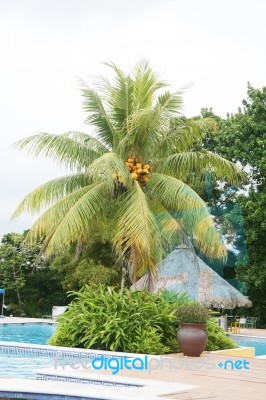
x: 138, y: 164
x: 74, y: 149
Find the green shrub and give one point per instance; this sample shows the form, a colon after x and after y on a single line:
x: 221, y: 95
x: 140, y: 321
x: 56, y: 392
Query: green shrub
x: 217, y: 338
x: 193, y: 312
x: 108, y: 319
x: 172, y: 297
x: 135, y: 322
x: 148, y: 341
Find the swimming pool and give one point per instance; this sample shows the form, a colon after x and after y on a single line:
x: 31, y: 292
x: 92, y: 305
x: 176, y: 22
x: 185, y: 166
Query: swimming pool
x: 15, y: 366
x: 37, y: 333
x: 251, y: 341
x: 21, y: 360
x: 39, y: 396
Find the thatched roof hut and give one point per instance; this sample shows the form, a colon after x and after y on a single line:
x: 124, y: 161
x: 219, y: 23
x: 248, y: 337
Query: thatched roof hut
x: 182, y: 271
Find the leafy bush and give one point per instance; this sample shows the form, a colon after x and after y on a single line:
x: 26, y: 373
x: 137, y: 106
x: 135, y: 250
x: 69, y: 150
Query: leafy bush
x: 107, y: 319
x: 217, y: 339
x: 148, y: 341
x: 172, y: 297
x: 193, y: 312
x: 139, y: 322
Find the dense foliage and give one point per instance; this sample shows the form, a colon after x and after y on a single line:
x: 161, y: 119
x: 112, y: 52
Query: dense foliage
x: 93, y: 264
x: 141, y: 322
x: 106, y: 319
x: 242, y: 137
x: 34, y: 283
x: 217, y: 340
x: 31, y: 286
x: 253, y: 271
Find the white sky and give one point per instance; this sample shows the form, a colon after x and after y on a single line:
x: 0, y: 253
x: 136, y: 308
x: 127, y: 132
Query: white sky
x: 46, y: 44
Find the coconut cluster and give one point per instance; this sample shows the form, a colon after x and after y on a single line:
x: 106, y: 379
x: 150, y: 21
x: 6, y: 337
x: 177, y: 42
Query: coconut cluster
x: 139, y: 171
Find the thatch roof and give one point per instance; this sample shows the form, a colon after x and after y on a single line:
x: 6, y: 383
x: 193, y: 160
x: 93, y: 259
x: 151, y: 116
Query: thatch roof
x: 182, y: 271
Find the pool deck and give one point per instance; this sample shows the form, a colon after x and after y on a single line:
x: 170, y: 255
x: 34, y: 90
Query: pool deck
x: 252, y: 332
x: 213, y: 383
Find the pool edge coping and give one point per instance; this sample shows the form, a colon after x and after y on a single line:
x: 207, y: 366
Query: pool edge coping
x: 79, y: 390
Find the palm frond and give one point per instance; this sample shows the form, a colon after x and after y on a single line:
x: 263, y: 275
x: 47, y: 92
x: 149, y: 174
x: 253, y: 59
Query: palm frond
x: 62, y: 149
x: 190, y: 210
x: 110, y: 168
x: 89, y: 141
x: 145, y: 129
x: 97, y: 115
x: 184, y: 134
x: 146, y: 84
x: 64, y: 222
x: 137, y: 233
x: 171, y: 230
x: 171, y: 102
x: 119, y: 95
x: 188, y: 166
x: 50, y: 192
x: 208, y: 239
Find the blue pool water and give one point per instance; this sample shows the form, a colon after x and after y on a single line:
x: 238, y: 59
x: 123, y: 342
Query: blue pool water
x: 37, y: 333
x: 257, y: 342
x: 14, y: 366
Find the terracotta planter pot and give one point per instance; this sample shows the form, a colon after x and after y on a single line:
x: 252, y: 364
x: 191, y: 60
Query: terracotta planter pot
x: 192, y: 339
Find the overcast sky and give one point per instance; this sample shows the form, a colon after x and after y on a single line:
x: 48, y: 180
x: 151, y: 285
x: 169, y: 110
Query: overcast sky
x: 45, y: 45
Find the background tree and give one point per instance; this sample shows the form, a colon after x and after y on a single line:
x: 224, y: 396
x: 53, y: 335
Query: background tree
x: 242, y: 137
x: 93, y: 264
x: 253, y: 272
x: 136, y: 169
x: 34, y: 284
x: 31, y: 287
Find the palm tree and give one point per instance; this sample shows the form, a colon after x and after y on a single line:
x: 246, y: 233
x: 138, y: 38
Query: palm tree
x: 135, y: 169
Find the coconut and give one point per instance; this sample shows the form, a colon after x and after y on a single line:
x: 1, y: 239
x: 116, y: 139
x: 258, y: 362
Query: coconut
x: 139, y: 171
x: 134, y: 176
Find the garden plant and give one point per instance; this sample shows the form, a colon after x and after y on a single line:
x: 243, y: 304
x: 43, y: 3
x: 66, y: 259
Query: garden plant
x: 138, y: 322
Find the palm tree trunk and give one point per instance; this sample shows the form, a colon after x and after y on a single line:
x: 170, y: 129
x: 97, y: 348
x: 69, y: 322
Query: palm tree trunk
x: 124, y: 274
x: 16, y: 286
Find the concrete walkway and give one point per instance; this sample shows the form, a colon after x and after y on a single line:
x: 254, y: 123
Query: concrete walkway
x: 252, y: 332
x: 214, y: 383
